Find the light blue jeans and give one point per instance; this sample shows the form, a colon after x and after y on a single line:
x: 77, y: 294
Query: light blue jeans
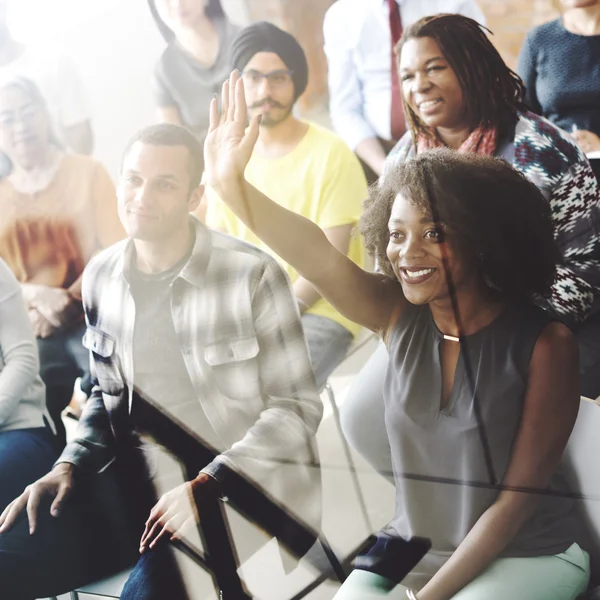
x: 560, y: 577
x: 328, y: 344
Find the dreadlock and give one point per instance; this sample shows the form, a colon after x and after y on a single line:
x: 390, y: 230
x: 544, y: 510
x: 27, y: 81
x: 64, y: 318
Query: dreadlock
x: 492, y: 92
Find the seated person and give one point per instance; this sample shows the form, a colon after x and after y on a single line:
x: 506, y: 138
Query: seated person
x: 195, y: 62
x: 364, y: 95
x: 448, y: 105
x: 26, y: 440
x: 56, y: 211
x: 305, y: 168
x: 196, y: 347
x: 481, y: 393
x: 560, y: 67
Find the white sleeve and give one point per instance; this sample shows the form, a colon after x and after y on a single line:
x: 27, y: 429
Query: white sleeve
x: 74, y: 107
x: 18, y: 347
x: 345, y: 88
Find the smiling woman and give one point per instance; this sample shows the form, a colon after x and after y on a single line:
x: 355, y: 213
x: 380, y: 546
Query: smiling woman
x: 463, y: 201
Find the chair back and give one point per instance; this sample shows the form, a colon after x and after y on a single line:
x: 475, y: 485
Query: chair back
x: 582, y: 453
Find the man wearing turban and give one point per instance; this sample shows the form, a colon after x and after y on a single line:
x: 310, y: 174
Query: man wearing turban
x: 304, y: 167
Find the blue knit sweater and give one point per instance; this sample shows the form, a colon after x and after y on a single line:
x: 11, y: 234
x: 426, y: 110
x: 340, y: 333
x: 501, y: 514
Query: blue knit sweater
x: 561, y: 71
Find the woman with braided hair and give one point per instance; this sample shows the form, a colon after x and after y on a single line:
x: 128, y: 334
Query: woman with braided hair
x: 459, y: 93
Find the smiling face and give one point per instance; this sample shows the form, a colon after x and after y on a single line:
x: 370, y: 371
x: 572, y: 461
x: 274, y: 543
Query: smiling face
x: 430, y: 86
x: 416, y: 250
x: 154, y: 192
x: 24, y: 127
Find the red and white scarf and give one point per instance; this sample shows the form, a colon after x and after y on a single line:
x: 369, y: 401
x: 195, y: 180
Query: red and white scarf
x: 480, y: 141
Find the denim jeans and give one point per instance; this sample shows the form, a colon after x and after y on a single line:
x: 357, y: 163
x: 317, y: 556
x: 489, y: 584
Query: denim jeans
x: 328, y: 344
x: 97, y: 534
x: 25, y: 455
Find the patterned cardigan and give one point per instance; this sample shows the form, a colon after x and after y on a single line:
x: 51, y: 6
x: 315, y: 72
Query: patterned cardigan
x: 548, y: 157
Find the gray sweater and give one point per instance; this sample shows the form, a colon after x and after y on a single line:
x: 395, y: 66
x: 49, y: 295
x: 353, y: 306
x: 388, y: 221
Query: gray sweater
x: 22, y: 393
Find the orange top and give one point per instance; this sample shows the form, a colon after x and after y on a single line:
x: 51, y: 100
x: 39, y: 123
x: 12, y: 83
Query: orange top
x: 49, y: 236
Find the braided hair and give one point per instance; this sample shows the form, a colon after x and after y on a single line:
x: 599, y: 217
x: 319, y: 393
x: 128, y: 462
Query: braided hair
x: 493, y: 93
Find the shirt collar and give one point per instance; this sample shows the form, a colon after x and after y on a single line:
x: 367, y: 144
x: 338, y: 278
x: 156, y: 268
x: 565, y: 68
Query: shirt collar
x: 193, y: 271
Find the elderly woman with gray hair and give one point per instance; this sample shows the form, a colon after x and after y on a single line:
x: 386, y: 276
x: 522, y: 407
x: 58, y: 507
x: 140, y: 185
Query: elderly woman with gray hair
x: 56, y: 211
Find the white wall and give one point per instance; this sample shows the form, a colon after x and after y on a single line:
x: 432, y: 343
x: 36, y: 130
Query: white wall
x: 115, y: 44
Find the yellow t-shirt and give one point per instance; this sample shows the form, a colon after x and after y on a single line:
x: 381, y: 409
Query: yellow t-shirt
x: 320, y: 179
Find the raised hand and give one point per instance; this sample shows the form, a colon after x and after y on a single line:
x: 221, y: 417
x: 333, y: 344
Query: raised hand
x: 228, y: 145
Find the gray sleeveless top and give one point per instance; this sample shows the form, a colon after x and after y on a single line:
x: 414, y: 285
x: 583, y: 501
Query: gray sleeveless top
x: 442, y: 476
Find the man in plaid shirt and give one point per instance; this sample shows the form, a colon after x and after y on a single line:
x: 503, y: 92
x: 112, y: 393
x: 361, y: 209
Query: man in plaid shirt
x: 196, y: 347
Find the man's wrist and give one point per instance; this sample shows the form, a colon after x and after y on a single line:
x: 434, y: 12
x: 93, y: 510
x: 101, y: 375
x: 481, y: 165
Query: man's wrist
x: 65, y: 467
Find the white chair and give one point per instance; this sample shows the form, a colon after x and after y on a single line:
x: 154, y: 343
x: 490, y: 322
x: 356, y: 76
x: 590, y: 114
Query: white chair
x: 582, y: 453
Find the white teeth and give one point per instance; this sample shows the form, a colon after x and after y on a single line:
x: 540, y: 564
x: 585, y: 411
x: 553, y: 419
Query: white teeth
x: 428, y: 103
x: 415, y: 274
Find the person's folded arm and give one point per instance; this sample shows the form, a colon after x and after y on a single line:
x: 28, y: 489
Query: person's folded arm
x: 549, y: 413
x: 18, y: 346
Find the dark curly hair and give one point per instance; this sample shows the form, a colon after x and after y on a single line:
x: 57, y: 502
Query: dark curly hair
x: 492, y: 92
x: 214, y: 10
x: 493, y: 215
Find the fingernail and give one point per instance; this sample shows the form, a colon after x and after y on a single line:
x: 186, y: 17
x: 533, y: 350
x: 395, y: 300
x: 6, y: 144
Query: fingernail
x: 259, y: 119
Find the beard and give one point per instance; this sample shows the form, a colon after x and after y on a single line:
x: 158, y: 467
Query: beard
x: 268, y: 118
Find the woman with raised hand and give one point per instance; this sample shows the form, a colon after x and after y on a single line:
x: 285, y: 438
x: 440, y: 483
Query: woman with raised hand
x: 196, y: 61
x: 458, y: 93
x: 481, y: 392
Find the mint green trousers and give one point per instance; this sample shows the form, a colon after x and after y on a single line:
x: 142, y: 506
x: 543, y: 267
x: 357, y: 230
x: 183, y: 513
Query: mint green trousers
x: 560, y: 577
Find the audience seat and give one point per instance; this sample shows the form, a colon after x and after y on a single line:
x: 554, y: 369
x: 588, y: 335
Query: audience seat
x: 582, y: 452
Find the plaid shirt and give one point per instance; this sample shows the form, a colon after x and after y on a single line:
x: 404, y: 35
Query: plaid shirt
x: 243, y: 345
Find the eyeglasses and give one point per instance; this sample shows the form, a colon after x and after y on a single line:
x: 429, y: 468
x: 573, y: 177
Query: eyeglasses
x: 25, y: 115
x: 275, y: 79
